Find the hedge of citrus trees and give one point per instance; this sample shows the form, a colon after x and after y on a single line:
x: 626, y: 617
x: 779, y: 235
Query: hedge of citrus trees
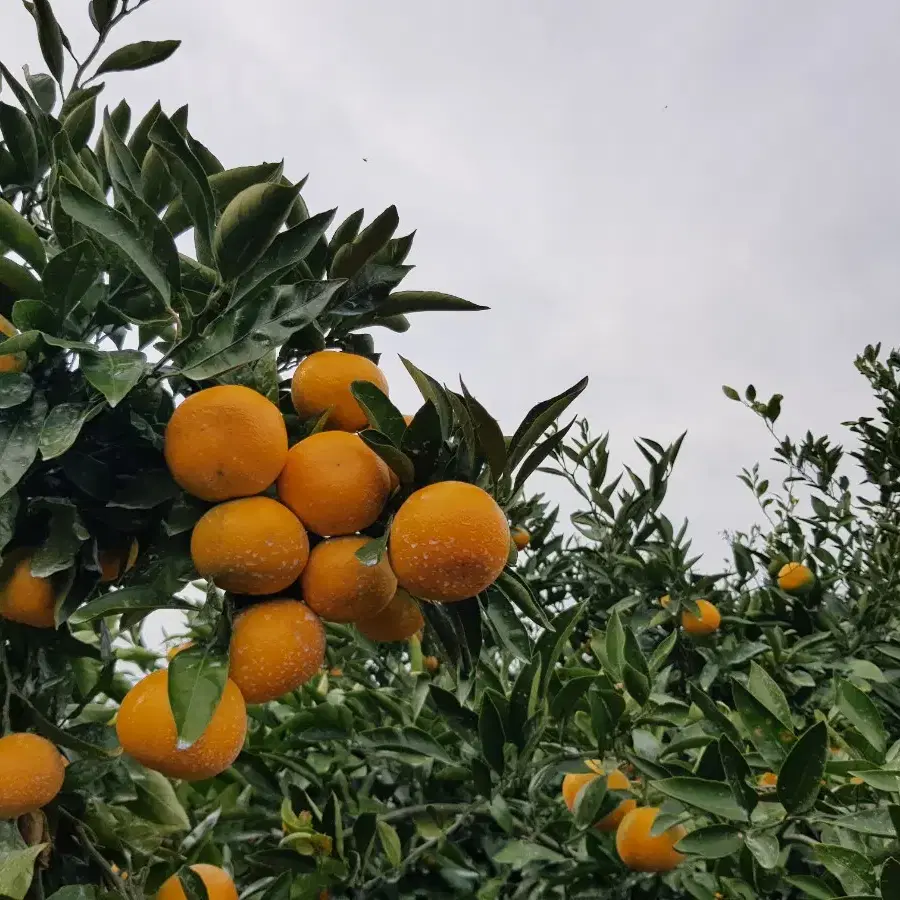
x: 398, y: 675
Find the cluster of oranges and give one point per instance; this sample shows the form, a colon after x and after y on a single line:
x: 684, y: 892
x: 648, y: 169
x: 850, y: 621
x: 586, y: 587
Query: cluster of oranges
x: 285, y: 532
x: 637, y: 847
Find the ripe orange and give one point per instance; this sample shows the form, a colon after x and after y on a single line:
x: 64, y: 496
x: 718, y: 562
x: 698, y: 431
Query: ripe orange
x: 334, y: 483
x: 768, y: 780
x: 225, y: 442
x: 31, y: 774
x: 250, y: 546
x: 276, y: 646
x: 339, y: 588
x: 643, y: 853
x: 322, y: 382
x: 11, y: 362
x: 398, y: 621
x: 146, y: 730
x: 111, y: 561
x: 795, y: 578
x: 521, y: 538
x: 615, y: 781
x: 24, y: 598
x: 217, y: 882
x: 449, y: 541
x: 706, y: 623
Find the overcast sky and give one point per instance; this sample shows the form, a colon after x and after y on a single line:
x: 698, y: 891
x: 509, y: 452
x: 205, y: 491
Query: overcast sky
x: 664, y: 196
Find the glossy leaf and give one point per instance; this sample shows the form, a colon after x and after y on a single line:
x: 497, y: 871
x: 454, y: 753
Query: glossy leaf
x: 18, y: 235
x: 712, y: 841
x: 114, y: 373
x: 20, y: 430
x: 710, y: 796
x: 197, y: 679
x: 800, y: 776
x: 138, y: 56
x: 862, y: 713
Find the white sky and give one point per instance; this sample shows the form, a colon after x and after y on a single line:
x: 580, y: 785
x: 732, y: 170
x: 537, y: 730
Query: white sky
x: 665, y: 196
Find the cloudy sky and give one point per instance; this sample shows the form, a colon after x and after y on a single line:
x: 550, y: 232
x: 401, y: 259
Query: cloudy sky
x: 664, y: 196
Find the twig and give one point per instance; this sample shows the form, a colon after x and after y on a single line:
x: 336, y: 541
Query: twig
x: 7, y: 687
x: 115, y: 882
x: 101, y: 40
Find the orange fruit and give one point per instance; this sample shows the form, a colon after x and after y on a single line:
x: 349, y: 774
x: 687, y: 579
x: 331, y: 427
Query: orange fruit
x: 334, y: 483
x: 322, y: 382
x: 398, y: 621
x: 25, y: 598
x: 643, y: 853
x: 31, y: 774
x: 521, y: 538
x: 615, y: 781
x: 146, y: 730
x: 339, y: 588
x: 276, y: 646
x: 768, y: 780
x: 430, y: 663
x: 250, y: 546
x: 795, y: 578
x: 449, y: 541
x: 217, y: 882
x: 706, y: 623
x: 11, y: 362
x: 112, y: 560
x: 225, y: 442
x: 174, y: 651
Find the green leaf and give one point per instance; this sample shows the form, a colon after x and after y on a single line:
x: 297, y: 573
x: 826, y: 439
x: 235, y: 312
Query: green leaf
x: 68, y: 276
x: 390, y: 843
x: 113, y: 225
x: 287, y: 250
x: 851, y: 868
x: 862, y: 713
x: 16, y: 862
x: 712, y: 842
x: 20, y: 430
x: 766, y: 733
x: 730, y: 393
x: 764, y: 688
x: 225, y: 187
x: 140, y: 599
x: 519, y: 593
x: 78, y: 124
x: 138, y: 56
x: 345, y: 232
x: 64, y: 540
x: 197, y: 679
x: 156, y: 799
x: 123, y: 168
x: 114, y: 373
x: 383, y: 416
x: 876, y: 822
x: 139, y: 143
x: 538, y: 419
x: 395, y: 459
x: 890, y: 878
x: 800, y: 776
x: 506, y: 623
x: 20, y: 140
x: 539, y: 455
x: 248, y: 226
x: 406, y: 302
x: 188, y: 172
x: 15, y: 389
x: 489, y: 435
x: 101, y: 13
x: 553, y: 641
x: 814, y: 887
x: 519, y: 854
x: 353, y: 256
x: 491, y: 733
x: 589, y: 802
x: 406, y: 740
x: 33, y: 315
x: 710, y: 796
x: 250, y: 332
x: 433, y: 391
x: 18, y: 280
x: 49, y: 37
x: 43, y: 87
x: 661, y: 652
x: 371, y: 553
x: 9, y: 510
x: 764, y: 847
x: 18, y: 235
x: 75, y: 891
x: 737, y: 773
x: 615, y: 645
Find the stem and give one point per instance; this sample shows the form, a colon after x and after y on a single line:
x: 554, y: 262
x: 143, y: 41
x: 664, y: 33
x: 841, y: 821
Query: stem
x: 114, y: 880
x: 7, y: 687
x: 408, y: 811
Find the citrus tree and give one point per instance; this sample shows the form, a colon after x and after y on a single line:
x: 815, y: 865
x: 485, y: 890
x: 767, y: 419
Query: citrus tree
x: 746, y: 719
x: 192, y: 418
